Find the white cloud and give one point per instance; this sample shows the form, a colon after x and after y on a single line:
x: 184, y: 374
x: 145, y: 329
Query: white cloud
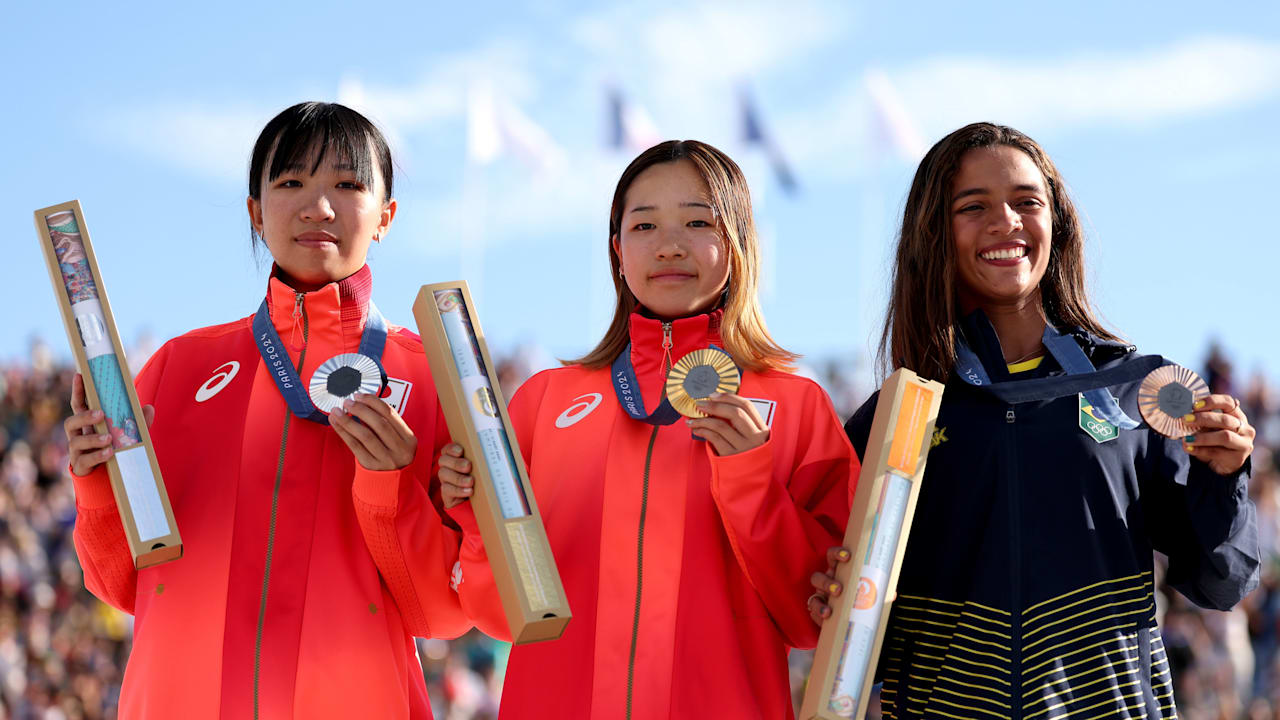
x: 209, y: 141
x: 939, y: 94
x: 1206, y: 74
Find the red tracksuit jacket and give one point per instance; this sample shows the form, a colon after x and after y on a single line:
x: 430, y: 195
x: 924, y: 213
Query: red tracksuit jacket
x: 686, y: 572
x: 353, y: 563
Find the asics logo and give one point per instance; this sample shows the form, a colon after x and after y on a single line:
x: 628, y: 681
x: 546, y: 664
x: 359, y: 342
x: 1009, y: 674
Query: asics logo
x: 222, y: 377
x: 581, y: 407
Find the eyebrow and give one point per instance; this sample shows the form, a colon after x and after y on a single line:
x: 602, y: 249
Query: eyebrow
x: 985, y: 191
x: 645, y: 208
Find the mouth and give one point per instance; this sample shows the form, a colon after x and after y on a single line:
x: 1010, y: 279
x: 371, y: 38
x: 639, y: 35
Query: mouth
x: 316, y: 239
x: 1004, y: 254
x: 671, y: 276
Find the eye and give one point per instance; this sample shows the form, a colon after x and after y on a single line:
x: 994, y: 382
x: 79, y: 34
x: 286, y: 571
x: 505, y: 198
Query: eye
x: 289, y: 183
x: 643, y: 226
x: 699, y: 223
x: 970, y: 209
x: 350, y: 185
x: 1031, y: 203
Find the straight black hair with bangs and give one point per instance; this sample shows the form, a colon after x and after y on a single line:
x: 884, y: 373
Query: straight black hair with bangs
x: 307, y: 132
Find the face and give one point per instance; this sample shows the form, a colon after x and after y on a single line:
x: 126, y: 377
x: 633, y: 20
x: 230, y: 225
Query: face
x: 318, y: 226
x: 672, y: 251
x: 1002, y: 227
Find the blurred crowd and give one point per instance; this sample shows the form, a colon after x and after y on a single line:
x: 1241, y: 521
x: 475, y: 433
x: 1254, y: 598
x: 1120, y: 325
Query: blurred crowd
x: 63, y: 653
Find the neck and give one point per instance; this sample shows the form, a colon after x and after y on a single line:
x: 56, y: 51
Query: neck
x: 1020, y: 327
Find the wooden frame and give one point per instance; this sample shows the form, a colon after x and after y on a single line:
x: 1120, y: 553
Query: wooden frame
x: 885, y: 500
x: 506, y: 511
x: 136, y: 482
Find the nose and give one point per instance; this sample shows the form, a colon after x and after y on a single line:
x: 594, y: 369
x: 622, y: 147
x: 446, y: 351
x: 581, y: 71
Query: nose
x: 1005, y: 220
x: 669, y: 246
x: 317, y: 209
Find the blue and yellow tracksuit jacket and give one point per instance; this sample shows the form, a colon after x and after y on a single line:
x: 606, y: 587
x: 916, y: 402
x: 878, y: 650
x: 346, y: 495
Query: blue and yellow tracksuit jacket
x: 1026, y: 590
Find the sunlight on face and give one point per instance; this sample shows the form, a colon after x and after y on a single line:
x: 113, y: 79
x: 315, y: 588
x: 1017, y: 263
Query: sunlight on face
x: 1001, y: 227
x: 318, y: 226
x: 671, y: 247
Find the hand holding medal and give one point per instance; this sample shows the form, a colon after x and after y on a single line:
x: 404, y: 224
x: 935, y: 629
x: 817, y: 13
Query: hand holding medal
x: 1214, y: 429
x: 702, y: 386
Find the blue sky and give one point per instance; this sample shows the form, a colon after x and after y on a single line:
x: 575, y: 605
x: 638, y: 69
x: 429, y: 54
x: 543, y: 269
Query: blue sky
x: 1162, y: 119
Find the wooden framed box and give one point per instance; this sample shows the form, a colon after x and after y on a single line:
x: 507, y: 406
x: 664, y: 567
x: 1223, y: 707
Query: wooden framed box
x: 879, y: 522
x: 136, y: 482
x: 506, y: 511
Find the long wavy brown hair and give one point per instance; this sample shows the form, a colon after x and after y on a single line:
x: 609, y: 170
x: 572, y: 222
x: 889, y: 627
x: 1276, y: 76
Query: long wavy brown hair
x: 919, y: 325
x: 742, y: 328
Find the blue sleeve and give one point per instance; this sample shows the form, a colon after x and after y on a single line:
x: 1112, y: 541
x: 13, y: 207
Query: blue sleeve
x: 1204, y: 522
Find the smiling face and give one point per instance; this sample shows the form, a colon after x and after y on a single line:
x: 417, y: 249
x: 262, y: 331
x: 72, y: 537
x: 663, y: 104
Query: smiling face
x: 671, y: 248
x: 318, y: 226
x: 1001, y: 227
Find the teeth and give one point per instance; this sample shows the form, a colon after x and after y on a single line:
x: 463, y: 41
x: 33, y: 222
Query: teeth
x: 1006, y: 254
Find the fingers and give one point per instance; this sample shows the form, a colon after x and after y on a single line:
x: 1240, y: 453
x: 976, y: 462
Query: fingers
x: 826, y: 584
x: 837, y: 555
x: 149, y: 414
x: 381, y: 440
x: 1213, y: 419
x: 735, y: 409
x: 87, y: 451
x: 819, y: 610
x: 82, y: 422
x: 717, y: 432
x: 456, y: 485
x: 78, y: 404
x: 732, y: 424
x: 1224, y: 438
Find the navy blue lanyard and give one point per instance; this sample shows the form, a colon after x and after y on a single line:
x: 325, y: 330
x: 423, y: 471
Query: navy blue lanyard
x: 628, y: 391
x: 1069, y: 356
x: 372, y: 342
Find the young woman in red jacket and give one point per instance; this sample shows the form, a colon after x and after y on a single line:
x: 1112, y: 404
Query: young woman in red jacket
x: 314, y: 551
x: 683, y: 544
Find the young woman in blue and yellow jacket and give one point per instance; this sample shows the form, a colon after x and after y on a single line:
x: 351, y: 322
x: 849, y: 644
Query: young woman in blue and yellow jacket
x: 1026, y: 589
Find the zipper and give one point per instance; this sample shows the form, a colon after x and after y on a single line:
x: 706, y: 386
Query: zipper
x: 1015, y: 557
x: 644, y: 507
x: 298, y: 311
x: 666, y: 347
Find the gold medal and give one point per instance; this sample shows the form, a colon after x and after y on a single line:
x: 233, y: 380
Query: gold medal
x: 699, y: 375
x: 1169, y: 394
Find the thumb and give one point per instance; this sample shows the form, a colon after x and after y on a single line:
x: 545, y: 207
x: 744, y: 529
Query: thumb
x: 149, y: 414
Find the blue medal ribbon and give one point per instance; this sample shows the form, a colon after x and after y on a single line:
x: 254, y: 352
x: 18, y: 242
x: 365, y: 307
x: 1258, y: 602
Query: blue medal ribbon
x: 372, y: 342
x: 1066, y: 351
x: 629, y: 397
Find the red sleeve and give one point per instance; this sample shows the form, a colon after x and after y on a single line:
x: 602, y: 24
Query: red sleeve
x: 99, y: 536
x: 476, y: 587
x: 783, y: 513
x: 400, y: 517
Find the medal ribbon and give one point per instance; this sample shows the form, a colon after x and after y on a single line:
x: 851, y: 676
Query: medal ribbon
x: 1068, y: 354
x: 628, y: 391
x: 372, y: 342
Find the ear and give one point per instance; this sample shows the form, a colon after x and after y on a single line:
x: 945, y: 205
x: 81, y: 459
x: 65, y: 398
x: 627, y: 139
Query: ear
x: 388, y: 214
x: 255, y: 214
x: 617, y: 250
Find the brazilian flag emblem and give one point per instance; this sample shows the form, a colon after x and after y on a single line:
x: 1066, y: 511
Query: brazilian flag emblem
x: 1095, y: 427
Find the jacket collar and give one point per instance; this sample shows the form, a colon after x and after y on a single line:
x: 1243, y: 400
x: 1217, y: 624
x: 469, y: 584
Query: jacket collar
x: 342, y: 306
x: 652, y: 361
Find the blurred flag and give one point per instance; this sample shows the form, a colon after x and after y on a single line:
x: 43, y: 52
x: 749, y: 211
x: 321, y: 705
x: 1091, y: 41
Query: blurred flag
x: 892, y: 121
x: 753, y: 133
x: 496, y: 127
x: 630, y: 127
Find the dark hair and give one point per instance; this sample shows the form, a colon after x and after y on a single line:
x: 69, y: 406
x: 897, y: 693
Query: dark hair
x: 307, y: 132
x: 919, y: 325
x: 742, y: 328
